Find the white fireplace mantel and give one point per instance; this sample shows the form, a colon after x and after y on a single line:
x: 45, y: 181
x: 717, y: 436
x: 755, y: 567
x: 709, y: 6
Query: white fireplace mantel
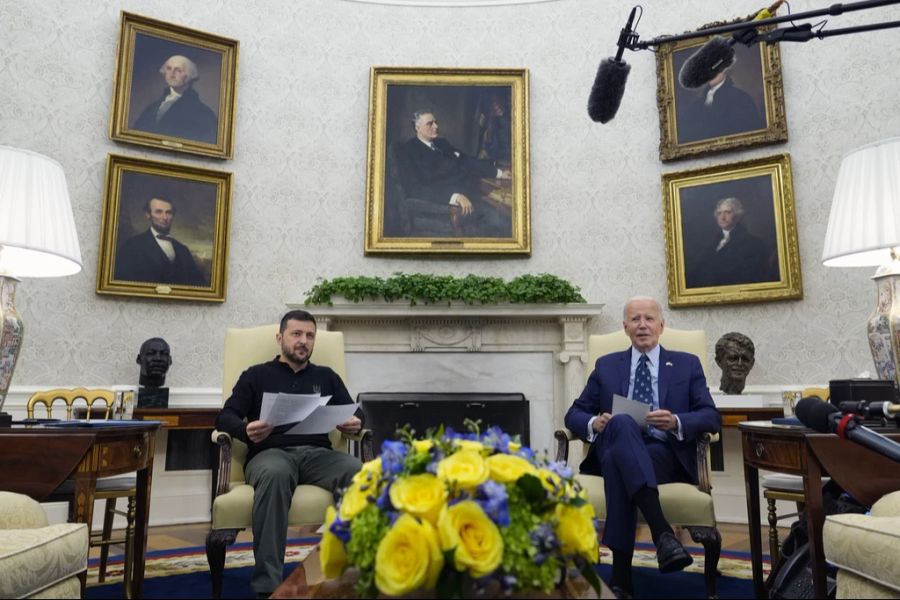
x: 438, y: 333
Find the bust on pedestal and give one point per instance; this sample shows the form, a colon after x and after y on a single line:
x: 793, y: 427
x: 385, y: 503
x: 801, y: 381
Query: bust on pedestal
x: 735, y: 355
x: 155, y: 359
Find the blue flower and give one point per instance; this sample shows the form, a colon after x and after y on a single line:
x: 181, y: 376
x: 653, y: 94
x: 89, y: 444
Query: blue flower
x: 495, y: 438
x: 393, y: 454
x: 560, y: 468
x: 545, y: 542
x: 340, y: 529
x: 492, y: 498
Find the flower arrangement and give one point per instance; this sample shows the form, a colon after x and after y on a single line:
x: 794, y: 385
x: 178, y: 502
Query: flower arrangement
x: 460, y: 508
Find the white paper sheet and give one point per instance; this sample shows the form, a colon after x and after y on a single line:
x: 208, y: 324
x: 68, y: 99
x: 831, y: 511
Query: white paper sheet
x: 281, y: 409
x: 637, y: 410
x: 323, y: 419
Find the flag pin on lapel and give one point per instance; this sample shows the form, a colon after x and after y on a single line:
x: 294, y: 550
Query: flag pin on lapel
x: 668, y: 363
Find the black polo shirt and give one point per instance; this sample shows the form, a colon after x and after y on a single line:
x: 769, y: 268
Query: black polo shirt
x: 278, y: 377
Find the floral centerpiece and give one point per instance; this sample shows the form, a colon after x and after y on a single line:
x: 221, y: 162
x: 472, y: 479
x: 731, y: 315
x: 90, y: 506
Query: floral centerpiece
x: 454, y: 510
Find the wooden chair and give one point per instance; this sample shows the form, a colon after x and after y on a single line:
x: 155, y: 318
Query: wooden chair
x: 683, y: 504
x: 233, y: 504
x: 780, y: 486
x: 108, y: 488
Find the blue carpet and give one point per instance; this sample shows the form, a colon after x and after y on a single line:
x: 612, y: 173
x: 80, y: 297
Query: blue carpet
x: 648, y: 582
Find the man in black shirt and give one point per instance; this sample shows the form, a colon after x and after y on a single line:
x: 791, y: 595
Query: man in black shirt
x: 277, y: 462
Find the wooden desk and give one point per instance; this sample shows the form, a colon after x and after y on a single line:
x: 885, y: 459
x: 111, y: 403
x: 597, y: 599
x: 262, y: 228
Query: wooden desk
x: 35, y: 460
x: 179, y: 418
x: 800, y: 451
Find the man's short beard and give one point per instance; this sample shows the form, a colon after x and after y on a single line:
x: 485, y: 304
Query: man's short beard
x: 292, y: 357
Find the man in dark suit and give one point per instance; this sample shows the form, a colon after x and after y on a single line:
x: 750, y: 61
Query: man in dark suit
x: 154, y: 256
x: 735, y: 256
x: 723, y: 110
x: 432, y: 169
x: 179, y: 112
x: 633, y: 458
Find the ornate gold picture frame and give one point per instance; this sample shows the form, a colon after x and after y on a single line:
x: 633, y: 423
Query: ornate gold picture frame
x: 174, y: 88
x: 745, y: 109
x: 759, y: 258
x: 164, y: 231
x: 448, y: 161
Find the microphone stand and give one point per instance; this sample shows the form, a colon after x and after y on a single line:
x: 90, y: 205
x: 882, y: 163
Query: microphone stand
x: 800, y: 33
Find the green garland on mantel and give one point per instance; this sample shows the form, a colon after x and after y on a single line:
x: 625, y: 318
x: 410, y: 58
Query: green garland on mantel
x: 431, y: 289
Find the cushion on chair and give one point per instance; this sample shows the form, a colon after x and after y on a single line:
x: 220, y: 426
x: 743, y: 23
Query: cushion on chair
x: 34, y: 559
x: 682, y: 503
x: 37, y: 559
x: 783, y: 482
x: 233, y: 510
x: 887, y: 506
x: 865, y: 545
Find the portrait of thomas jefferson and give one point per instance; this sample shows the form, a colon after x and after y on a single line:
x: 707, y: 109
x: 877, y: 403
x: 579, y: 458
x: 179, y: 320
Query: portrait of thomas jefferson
x: 175, y: 90
x: 729, y: 233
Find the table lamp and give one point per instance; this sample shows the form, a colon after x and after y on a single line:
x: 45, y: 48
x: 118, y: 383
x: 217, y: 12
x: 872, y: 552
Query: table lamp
x: 37, y: 239
x: 864, y: 230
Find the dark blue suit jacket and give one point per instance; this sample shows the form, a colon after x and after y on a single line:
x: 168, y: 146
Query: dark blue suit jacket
x: 682, y: 390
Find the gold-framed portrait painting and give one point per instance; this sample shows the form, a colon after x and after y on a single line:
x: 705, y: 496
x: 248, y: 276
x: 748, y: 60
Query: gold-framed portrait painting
x: 742, y: 107
x: 164, y: 231
x: 448, y: 161
x: 731, y: 233
x: 174, y: 88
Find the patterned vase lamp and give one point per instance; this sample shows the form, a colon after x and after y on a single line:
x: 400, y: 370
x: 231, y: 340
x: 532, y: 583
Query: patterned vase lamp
x: 864, y: 230
x: 37, y: 239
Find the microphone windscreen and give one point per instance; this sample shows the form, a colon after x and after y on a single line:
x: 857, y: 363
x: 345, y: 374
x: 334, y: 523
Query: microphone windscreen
x: 712, y: 58
x: 816, y: 414
x: 609, y: 86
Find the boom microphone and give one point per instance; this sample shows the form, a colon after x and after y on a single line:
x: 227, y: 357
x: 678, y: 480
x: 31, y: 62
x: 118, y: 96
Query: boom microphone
x: 717, y: 54
x: 609, y: 84
x: 825, y: 418
x: 871, y: 409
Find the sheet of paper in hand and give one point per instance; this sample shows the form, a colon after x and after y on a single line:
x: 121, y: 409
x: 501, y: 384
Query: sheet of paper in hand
x: 637, y: 410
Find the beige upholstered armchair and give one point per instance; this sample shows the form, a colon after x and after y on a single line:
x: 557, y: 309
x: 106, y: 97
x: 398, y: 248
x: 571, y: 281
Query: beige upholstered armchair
x: 38, y: 560
x: 683, y: 504
x: 865, y: 548
x: 233, y: 504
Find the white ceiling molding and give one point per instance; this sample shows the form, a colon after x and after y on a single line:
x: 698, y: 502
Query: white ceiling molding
x: 451, y: 3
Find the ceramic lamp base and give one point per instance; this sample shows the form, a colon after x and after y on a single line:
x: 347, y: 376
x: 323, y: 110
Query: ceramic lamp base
x: 884, y: 324
x: 11, y: 330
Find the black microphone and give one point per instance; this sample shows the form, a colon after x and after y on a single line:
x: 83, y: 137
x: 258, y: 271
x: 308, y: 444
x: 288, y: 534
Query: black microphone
x: 825, y: 418
x: 871, y: 409
x: 702, y: 66
x: 717, y: 54
x: 609, y: 84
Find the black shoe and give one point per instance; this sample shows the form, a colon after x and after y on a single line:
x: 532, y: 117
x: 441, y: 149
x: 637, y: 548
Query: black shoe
x: 670, y: 554
x: 620, y: 592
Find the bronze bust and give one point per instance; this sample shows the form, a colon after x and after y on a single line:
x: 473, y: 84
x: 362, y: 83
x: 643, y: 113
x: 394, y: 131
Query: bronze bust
x: 154, y: 358
x: 735, y: 355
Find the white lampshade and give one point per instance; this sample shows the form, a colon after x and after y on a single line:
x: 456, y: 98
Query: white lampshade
x: 37, y: 230
x: 865, y: 213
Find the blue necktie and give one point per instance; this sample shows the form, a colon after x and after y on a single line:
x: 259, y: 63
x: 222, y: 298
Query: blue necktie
x: 643, y: 389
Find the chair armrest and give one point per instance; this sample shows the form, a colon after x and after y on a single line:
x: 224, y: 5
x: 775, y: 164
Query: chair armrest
x: 364, y: 449
x: 704, y: 483
x: 563, y: 438
x: 223, y: 441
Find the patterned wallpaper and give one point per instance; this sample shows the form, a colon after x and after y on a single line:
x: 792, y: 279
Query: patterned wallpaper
x: 299, y: 167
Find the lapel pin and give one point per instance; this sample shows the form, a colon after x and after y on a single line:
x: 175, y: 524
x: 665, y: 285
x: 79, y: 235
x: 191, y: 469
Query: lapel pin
x: 668, y: 363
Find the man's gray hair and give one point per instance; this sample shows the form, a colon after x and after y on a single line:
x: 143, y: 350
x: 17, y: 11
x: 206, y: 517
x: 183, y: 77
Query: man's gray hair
x: 659, y: 308
x: 736, y: 205
x: 189, y: 66
x: 419, y: 113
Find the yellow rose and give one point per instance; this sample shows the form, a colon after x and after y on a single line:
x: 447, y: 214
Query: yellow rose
x: 369, y: 473
x: 332, y: 555
x: 475, y: 538
x: 575, y: 530
x: 355, y: 499
x: 470, y: 445
x: 408, y: 557
x: 419, y: 495
x: 551, y: 482
x: 467, y: 468
x: 507, y: 468
x: 515, y: 446
x: 423, y: 446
